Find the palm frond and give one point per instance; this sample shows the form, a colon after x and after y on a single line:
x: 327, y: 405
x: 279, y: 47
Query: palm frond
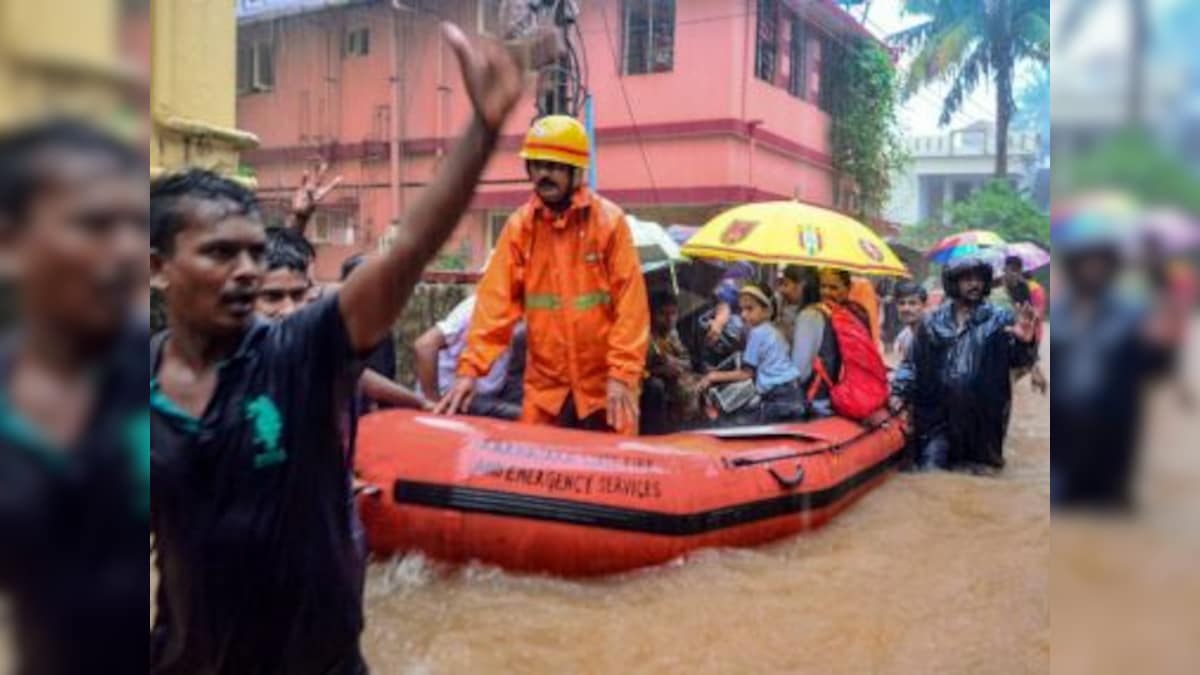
x: 951, y: 44
x: 967, y: 77
x: 913, y: 37
x: 1034, y: 28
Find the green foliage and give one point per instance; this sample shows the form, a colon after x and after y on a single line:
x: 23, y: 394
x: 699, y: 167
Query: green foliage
x: 998, y: 207
x: 1135, y: 162
x: 862, y: 96
x: 968, y: 42
x: 456, y: 260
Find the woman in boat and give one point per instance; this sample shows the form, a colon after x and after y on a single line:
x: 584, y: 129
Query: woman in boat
x: 810, y: 332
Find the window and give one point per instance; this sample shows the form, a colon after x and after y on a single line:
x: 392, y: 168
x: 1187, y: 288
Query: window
x: 495, y: 224
x: 255, y: 67
x: 649, y: 36
x: 333, y: 227
x: 798, y: 51
x: 358, y: 42
x: 766, y: 45
x: 489, y: 18
x: 821, y: 57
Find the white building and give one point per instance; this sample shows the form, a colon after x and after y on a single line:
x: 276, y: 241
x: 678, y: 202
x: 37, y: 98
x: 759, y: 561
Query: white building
x: 947, y: 168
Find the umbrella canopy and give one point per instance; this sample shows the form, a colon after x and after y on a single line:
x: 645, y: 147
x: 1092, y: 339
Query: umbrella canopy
x: 1032, y: 256
x: 963, y: 243
x: 655, y: 248
x: 681, y: 233
x: 1174, y: 231
x: 1095, y: 219
x: 787, y: 233
x: 691, y: 281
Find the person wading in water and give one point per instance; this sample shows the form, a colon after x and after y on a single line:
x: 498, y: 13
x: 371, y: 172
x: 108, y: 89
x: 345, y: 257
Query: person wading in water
x: 259, y: 571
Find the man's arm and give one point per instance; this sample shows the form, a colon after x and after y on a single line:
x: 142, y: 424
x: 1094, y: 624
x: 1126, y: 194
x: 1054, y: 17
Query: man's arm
x: 379, y: 388
x: 629, y: 337
x: 426, y: 349
x: 499, y: 305
x: 905, y: 377
x: 374, y: 295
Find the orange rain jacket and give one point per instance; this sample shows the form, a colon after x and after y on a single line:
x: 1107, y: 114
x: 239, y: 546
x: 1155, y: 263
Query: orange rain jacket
x: 576, y: 279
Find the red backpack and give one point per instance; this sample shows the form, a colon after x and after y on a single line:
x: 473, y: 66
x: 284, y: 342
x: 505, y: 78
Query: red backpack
x: 862, y: 387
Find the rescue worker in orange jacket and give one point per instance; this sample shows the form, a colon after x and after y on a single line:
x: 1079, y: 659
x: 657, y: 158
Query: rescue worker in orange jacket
x: 566, y: 262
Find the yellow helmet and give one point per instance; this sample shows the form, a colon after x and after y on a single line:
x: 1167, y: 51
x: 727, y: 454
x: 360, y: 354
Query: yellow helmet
x: 557, y: 138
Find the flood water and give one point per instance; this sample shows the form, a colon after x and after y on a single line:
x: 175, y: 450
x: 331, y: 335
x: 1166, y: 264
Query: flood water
x: 937, y: 573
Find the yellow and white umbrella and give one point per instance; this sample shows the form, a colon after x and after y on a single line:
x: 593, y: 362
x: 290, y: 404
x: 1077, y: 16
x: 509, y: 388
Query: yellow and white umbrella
x: 791, y: 233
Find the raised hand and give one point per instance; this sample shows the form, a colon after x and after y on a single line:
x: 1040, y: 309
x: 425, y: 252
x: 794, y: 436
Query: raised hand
x: 493, y: 74
x: 311, y: 191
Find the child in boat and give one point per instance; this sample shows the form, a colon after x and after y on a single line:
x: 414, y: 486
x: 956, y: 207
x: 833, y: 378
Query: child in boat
x: 765, y: 361
x: 667, y: 401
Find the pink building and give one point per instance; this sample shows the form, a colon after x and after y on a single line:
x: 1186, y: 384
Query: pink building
x: 698, y: 106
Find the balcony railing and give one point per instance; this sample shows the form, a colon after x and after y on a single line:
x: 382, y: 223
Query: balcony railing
x: 970, y: 144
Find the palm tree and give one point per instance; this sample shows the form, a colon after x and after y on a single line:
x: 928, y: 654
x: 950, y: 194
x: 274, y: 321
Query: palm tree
x: 965, y: 41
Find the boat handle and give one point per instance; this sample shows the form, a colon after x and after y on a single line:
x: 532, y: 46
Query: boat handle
x: 785, y: 482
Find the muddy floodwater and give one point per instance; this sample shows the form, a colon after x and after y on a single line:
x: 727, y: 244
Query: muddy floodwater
x: 935, y: 573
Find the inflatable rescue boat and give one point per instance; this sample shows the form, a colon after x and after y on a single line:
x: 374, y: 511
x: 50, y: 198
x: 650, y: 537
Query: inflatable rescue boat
x: 572, y: 503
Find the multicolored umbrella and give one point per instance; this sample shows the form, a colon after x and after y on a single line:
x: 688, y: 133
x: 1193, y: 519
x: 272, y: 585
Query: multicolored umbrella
x: 1174, y: 231
x: 1101, y: 218
x: 963, y: 243
x: 793, y: 233
x: 1032, y: 256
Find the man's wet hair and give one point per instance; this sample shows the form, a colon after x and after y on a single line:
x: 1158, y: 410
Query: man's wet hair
x: 26, y: 155
x: 907, y: 289
x: 1014, y: 261
x: 169, y: 196
x: 660, y: 300
x: 288, y: 249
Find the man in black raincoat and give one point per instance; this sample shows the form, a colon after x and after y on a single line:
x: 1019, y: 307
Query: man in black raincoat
x: 955, y: 378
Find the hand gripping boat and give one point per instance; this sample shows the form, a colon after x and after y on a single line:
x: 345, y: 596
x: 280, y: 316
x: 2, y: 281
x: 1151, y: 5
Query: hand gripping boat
x: 572, y: 503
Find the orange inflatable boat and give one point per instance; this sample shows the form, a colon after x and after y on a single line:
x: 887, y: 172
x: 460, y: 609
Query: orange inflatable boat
x: 541, y: 499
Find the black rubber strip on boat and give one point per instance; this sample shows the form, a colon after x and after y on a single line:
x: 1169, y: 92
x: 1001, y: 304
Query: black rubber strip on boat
x: 517, y: 505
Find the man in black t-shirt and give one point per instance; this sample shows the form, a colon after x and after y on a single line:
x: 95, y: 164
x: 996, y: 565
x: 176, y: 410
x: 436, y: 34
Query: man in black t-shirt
x: 259, y: 569
x: 74, y: 436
